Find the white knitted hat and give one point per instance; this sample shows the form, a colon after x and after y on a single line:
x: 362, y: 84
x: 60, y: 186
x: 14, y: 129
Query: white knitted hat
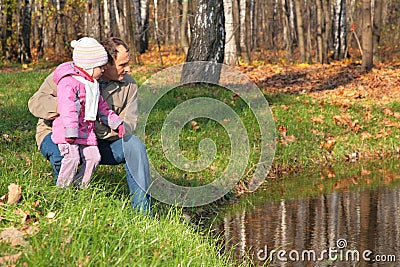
x: 88, y: 53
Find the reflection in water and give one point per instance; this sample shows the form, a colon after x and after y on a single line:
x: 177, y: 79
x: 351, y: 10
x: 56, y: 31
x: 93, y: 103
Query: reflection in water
x: 345, y: 224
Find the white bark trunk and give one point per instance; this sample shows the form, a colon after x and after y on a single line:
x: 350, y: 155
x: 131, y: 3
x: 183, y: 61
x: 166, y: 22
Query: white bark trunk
x: 230, y: 57
x: 106, y: 19
x: 242, y: 19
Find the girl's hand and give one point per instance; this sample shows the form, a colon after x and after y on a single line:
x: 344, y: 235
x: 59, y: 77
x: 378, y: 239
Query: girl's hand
x: 121, y: 130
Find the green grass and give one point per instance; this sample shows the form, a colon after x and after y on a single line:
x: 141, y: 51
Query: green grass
x: 92, y: 227
x: 97, y: 227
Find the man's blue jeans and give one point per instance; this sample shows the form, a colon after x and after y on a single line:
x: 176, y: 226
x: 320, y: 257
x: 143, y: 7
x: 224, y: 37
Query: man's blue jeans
x: 112, y: 154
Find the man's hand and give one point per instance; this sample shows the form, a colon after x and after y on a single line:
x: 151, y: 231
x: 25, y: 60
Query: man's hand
x: 121, y: 130
x: 70, y: 140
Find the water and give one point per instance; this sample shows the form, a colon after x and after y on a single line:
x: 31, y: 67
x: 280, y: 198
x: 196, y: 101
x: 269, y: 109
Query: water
x: 359, y: 227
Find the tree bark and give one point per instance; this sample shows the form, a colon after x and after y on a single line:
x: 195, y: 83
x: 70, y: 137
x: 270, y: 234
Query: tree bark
x: 208, y: 39
x: 107, y: 18
x: 367, y: 45
x: 244, y: 48
x: 141, y: 25
x: 321, y: 52
x: 230, y: 57
x: 340, y: 29
x: 25, y: 34
x: 287, y: 40
x: 377, y: 23
x: 300, y: 30
x: 184, y: 28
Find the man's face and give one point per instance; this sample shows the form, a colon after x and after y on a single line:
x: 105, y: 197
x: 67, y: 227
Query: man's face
x: 121, y: 66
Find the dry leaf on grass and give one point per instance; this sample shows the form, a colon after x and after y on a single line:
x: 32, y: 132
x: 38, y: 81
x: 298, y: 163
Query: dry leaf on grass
x: 13, y: 196
x: 9, y: 258
x: 13, y: 236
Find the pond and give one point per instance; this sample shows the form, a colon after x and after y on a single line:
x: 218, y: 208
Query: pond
x: 356, y: 225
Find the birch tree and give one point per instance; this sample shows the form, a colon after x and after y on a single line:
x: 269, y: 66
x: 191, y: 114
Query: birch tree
x: 244, y: 27
x: 107, y: 18
x: 141, y: 11
x: 340, y: 29
x: 208, y: 34
x: 207, y: 39
x: 287, y: 40
x: 184, y: 28
x: 230, y: 57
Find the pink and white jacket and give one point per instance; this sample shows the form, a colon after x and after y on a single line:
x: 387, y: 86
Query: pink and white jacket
x: 71, y: 95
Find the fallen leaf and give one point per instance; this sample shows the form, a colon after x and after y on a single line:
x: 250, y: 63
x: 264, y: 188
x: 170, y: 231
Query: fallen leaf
x: 341, y: 120
x: 318, y: 119
x: 330, y: 173
x: 390, y: 123
x: 383, y: 133
x: 388, y: 111
x: 365, y: 135
x: 365, y: 172
x: 328, y: 143
x: 24, y: 215
x: 14, y: 194
x: 13, y: 236
x: 316, y: 132
x: 288, y: 139
x: 282, y: 129
x: 194, y: 125
x: 9, y: 258
x: 284, y: 107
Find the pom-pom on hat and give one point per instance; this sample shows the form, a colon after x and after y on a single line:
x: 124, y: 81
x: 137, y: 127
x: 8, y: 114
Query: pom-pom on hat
x: 88, y: 53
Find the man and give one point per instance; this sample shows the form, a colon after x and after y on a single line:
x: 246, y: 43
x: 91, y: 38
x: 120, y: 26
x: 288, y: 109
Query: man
x: 120, y: 92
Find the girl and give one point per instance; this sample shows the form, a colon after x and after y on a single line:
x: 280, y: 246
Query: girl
x: 79, y: 106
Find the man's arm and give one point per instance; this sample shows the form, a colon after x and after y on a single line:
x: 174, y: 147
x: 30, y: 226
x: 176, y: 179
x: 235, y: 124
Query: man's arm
x: 122, y: 99
x: 43, y: 104
x: 129, y: 111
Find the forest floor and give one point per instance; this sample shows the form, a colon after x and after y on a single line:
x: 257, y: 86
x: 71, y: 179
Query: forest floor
x: 338, y: 81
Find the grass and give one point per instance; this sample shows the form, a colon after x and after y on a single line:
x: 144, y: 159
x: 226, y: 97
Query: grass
x: 96, y: 227
x: 92, y: 227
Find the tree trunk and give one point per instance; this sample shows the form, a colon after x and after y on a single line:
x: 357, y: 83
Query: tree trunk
x: 230, y: 42
x: 326, y: 5
x: 291, y: 19
x: 141, y: 25
x: 309, y: 41
x: 321, y: 52
x: 107, y: 18
x: 93, y: 19
x: 343, y: 29
x: 38, y: 29
x: 236, y: 24
x: 367, y: 45
x: 183, y: 32
x: 286, y: 32
x: 25, y: 34
x: 376, y: 32
x: 7, y: 48
x: 243, y: 29
x: 340, y: 32
x: 300, y: 30
x: 208, y: 39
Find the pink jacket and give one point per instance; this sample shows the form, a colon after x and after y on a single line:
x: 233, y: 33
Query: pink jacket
x: 71, y: 96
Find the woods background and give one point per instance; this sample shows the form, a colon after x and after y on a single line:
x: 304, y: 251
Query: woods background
x: 290, y: 30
